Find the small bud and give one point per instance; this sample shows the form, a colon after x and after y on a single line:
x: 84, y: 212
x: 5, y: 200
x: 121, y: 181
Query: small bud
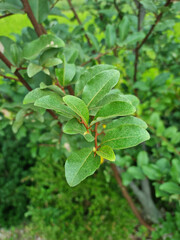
x: 94, y: 149
x: 86, y: 133
x: 104, y: 125
x: 102, y: 160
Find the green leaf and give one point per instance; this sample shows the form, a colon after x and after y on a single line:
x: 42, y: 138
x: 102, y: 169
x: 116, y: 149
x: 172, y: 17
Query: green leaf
x: 94, y: 41
x: 114, y: 109
x: 110, y: 36
x: 33, y: 95
x: 38, y: 46
x: 130, y: 120
x: 175, y: 170
x: 88, y: 75
x: 152, y: 172
x: 136, y: 172
x: 164, y: 165
x: 170, y: 187
x: 78, y: 106
x: 133, y: 99
x: 80, y: 165
x: 126, y: 178
x: 54, y: 102
x: 74, y: 127
x: 149, y: 5
x: 16, y: 54
x: 10, y: 7
x: 125, y: 137
x: 18, y: 120
x: 88, y: 136
x: 40, y: 9
x: 65, y: 75
x: 99, y: 86
x: 107, y: 153
x: 33, y: 69
x: 71, y: 54
x: 54, y: 88
x: 134, y: 38
x: 142, y: 158
x: 124, y: 28
x: 51, y: 62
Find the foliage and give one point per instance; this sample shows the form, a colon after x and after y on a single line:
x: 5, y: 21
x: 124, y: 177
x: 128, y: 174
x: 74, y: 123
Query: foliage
x: 71, y: 63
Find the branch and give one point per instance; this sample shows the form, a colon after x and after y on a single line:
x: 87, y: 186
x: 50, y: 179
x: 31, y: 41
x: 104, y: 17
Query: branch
x: 153, y: 26
x: 79, y: 21
x: 12, y: 78
x: 6, y: 15
x: 38, y: 27
x: 128, y: 198
x: 117, y: 8
x: 23, y: 81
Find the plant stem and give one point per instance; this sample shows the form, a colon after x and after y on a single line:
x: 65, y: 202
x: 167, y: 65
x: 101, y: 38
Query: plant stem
x: 128, y: 197
x: 79, y: 21
x: 38, y: 27
x: 117, y: 8
x: 12, y: 78
x: 6, y: 15
x: 96, y: 135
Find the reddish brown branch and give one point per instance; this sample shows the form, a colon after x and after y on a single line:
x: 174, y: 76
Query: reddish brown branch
x: 38, y: 27
x: 70, y: 89
x: 96, y: 135
x: 78, y: 20
x: 6, y: 15
x: 153, y: 26
x: 128, y: 197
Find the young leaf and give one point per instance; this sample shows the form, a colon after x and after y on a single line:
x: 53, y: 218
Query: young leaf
x: 51, y: 62
x: 71, y: 54
x: 88, y: 75
x: 18, y: 120
x: 107, y: 153
x: 114, y: 109
x: 80, y: 165
x: 99, y: 86
x: 38, y: 46
x: 33, y: 69
x: 170, y: 187
x: 55, y: 103
x: 125, y: 137
x: 130, y: 120
x: 66, y: 74
x: 88, y: 136
x: 74, y: 127
x: 110, y: 35
x: 78, y: 106
x: 94, y: 41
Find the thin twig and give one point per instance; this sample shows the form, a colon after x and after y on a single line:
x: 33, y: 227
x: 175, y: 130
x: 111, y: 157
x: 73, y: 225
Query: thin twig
x: 117, y: 8
x: 128, y: 197
x: 6, y: 15
x: 38, y: 27
x: 153, y: 26
x: 79, y: 21
x: 12, y: 78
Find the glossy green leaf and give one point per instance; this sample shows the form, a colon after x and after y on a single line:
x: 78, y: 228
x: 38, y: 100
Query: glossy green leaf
x: 175, y: 170
x: 114, y: 109
x: 142, y: 158
x: 38, y: 46
x: 78, y: 106
x: 71, y: 54
x: 80, y: 165
x: 110, y: 35
x: 33, y: 69
x: 152, y: 172
x: 125, y: 137
x: 65, y: 75
x: 99, y: 86
x: 170, y: 187
x: 136, y: 172
x: 106, y: 152
x: 133, y: 99
x: 130, y: 120
x: 55, y: 103
x: 74, y: 127
x: 88, y: 75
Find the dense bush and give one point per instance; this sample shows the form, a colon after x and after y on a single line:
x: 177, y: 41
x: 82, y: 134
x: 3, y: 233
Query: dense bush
x: 69, y: 62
